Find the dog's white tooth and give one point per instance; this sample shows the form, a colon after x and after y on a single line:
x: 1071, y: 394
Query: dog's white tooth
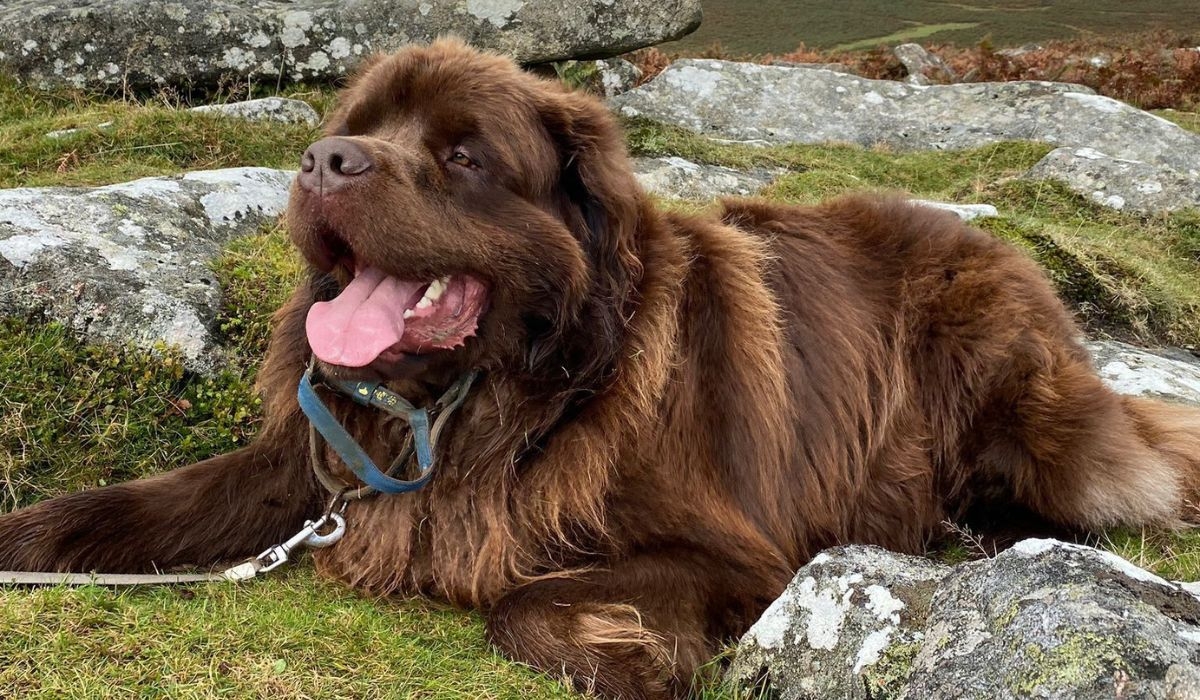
x: 424, y: 303
x: 435, y: 291
x: 408, y: 313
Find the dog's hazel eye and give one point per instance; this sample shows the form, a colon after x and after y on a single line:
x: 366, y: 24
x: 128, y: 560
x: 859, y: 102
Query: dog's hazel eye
x: 461, y: 158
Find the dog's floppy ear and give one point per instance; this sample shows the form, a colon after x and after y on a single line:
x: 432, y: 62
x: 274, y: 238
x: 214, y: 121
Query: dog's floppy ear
x: 597, y: 179
x: 602, y: 204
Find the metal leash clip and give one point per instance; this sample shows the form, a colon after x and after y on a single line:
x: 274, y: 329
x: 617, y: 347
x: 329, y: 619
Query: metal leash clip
x: 309, y: 536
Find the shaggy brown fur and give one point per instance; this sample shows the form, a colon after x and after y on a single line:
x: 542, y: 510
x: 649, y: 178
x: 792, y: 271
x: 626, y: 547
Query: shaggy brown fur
x: 675, y: 412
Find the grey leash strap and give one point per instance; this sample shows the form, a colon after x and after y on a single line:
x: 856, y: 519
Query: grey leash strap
x: 308, y: 536
x: 33, y: 578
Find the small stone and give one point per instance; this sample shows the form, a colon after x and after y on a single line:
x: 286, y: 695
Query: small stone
x: 683, y: 179
x: 63, y: 133
x: 966, y: 212
x: 276, y: 109
x: 617, y: 76
x: 924, y: 68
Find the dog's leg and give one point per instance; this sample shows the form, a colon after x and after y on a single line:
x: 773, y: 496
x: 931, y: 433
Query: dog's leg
x: 224, y: 508
x: 1081, y: 456
x: 639, y: 630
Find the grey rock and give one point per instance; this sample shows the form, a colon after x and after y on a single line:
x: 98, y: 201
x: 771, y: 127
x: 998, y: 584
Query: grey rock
x: 1020, y: 50
x: 616, y: 75
x: 1048, y: 619
x: 64, y: 133
x: 144, y: 43
x: 1173, y: 375
x: 683, y: 179
x: 835, y: 67
x: 1044, y: 619
x: 966, y: 212
x: 130, y: 263
x: 850, y: 617
x: 743, y: 101
x: 924, y: 68
x: 753, y: 143
x: 276, y: 109
x: 1121, y: 183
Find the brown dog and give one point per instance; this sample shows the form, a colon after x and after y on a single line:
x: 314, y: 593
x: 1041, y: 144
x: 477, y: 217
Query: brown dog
x: 673, y: 413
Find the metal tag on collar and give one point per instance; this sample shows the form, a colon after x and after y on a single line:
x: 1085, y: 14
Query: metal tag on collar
x: 375, y: 395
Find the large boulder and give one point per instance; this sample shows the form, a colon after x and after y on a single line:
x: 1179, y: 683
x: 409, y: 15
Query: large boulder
x: 1044, y: 619
x: 754, y: 103
x: 131, y: 263
x: 111, y: 43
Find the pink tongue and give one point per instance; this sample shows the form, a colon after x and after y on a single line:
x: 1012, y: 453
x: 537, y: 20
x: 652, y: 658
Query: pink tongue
x: 361, y: 322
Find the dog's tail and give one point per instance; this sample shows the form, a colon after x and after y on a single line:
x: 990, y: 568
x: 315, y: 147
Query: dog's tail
x: 1173, y: 431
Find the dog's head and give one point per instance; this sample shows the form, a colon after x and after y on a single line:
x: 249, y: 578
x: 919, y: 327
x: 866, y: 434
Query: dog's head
x: 462, y: 213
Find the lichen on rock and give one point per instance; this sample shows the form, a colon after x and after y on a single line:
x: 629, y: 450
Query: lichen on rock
x: 197, y: 43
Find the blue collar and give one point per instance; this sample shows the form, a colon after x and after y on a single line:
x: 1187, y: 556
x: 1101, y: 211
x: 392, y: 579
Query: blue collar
x: 375, y: 395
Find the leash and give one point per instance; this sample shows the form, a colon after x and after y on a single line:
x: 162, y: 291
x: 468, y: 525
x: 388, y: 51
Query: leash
x: 422, y: 440
x: 308, y: 536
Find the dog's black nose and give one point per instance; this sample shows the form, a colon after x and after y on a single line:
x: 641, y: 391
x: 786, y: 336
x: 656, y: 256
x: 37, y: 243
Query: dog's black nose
x: 333, y: 163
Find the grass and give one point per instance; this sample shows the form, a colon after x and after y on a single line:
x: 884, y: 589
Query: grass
x: 74, y: 416
x: 920, y: 31
x: 144, y: 137
x: 1188, y: 120
x: 290, y: 636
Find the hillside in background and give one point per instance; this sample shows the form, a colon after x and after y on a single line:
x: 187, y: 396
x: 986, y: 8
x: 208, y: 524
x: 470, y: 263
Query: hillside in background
x: 776, y: 26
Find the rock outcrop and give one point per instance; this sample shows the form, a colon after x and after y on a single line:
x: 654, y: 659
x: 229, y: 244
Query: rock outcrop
x: 1158, y: 161
x: 131, y: 263
x: 197, y: 43
x: 1044, y: 619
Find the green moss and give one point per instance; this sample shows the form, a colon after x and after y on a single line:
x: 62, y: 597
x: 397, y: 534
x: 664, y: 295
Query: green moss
x: 1079, y: 661
x: 78, y: 416
x: 820, y: 171
x: 1188, y: 120
x: 887, y: 678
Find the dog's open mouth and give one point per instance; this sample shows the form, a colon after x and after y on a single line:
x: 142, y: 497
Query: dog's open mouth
x: 379, y: 316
